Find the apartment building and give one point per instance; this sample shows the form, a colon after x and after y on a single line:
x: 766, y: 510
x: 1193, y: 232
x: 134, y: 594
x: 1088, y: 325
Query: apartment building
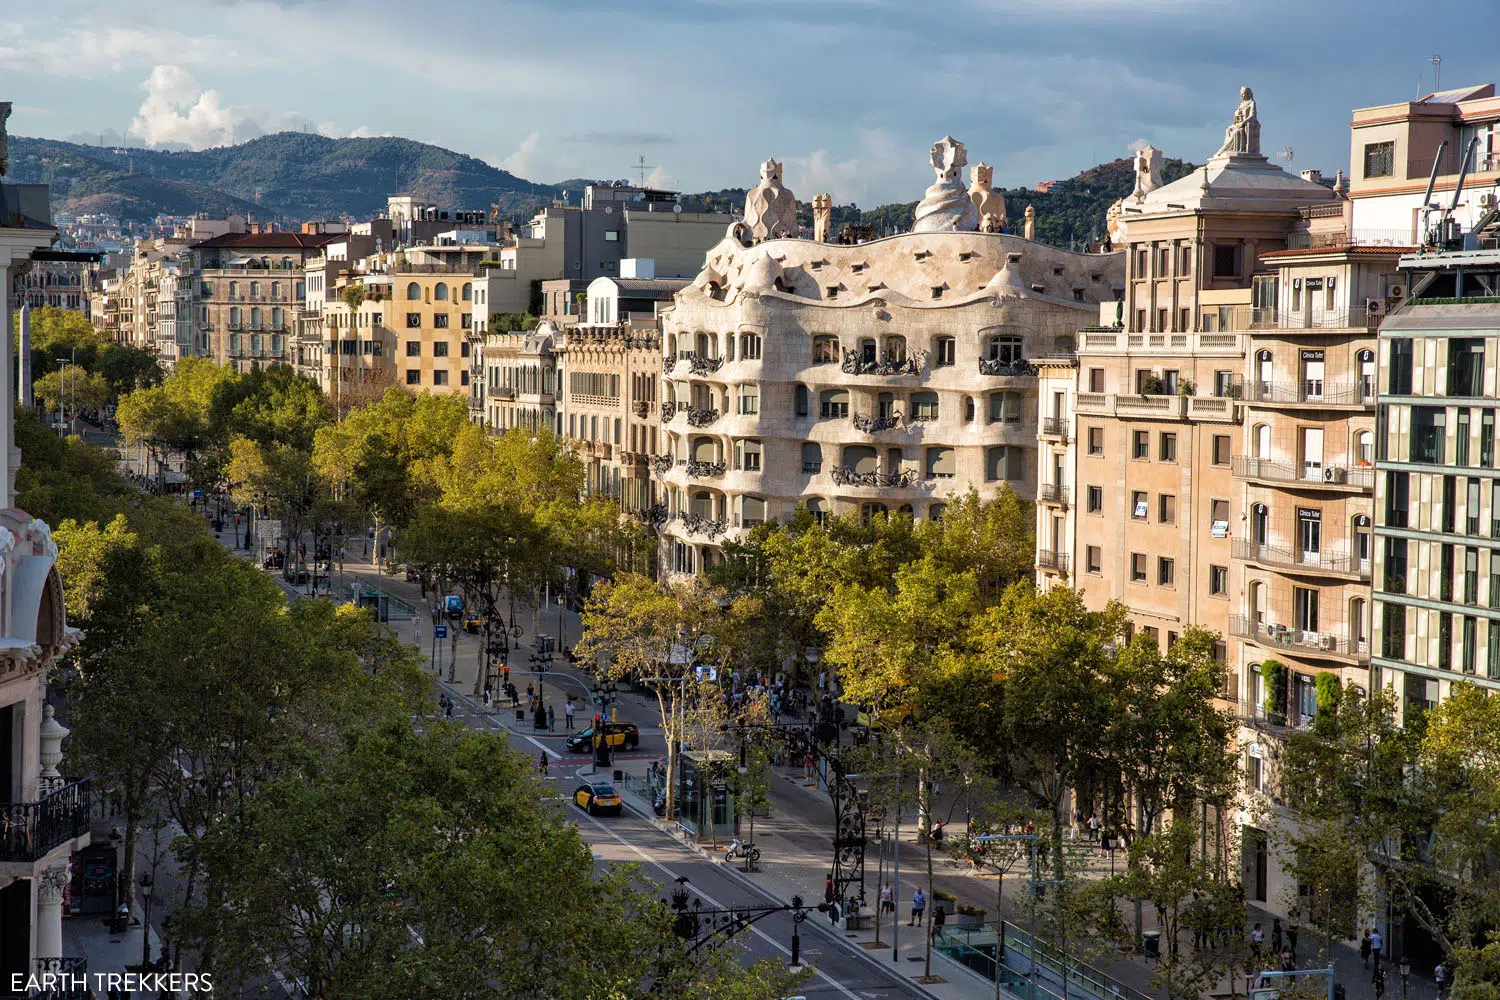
x: 45, y: 817
x: 521, y: 378
x: 251, y: 289
x: 609, y: 375
x: 1397, y: 150
x: 890, y: 376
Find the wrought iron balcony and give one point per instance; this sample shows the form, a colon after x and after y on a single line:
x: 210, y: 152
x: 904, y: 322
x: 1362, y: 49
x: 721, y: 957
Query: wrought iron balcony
x: 504, y: 392
x: 1011, y: 369
x: 845, y: 476
x: 656, y: 514
x: 700, y: 417
x: 667, y: 364
x: 1054, y: 427
x: 876, y: 424
x: 1047, y: 559
x: 1271, y: 470
x: 703, y: 524
x: 1052, y: 493
x: 30, y: 830
x: 642, y: 407
x: 1298, y: 561
x: 1298, y: 640
x: 668, y: 411
x: 703, y: 366
x: 705, y: 470
x: 855, y: 363
x: 661, y: 463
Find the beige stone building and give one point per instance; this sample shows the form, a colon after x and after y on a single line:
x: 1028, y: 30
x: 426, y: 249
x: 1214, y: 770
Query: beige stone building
x: 610, y: 375
x: 890, y: 376
x: 251, y: 292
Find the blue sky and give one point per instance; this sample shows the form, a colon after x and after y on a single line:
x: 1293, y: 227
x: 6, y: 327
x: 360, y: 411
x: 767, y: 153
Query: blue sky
x: 849, y: 93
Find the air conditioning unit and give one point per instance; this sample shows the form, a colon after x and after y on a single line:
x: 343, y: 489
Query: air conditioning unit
x: 1487, y: 200
x: 1335, y: 474
x: 1396, y: 292
x: 1326, y: 641
x: 1374, y: 307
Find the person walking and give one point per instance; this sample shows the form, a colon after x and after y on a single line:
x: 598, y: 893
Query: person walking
x: 1276, y: 936
x: 1440, y: 978
x: 1292, y: 930
x: 541, y: 763
x: 918, y: 906
x: 1257, y: 942
x: 1364, y: 950
x: 568, y: 713
x: 551, y: 719
x: 1377, y: 946
x: 828, y: 888
x: 938, y: 919
x: 887, y: 904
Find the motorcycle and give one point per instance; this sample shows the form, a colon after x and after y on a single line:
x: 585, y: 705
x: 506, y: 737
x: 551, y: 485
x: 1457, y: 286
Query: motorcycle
x: 739, y: 849
x: 659, y: 803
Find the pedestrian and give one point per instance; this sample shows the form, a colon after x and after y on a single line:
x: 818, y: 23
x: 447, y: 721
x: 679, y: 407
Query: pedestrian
x: 937, y: 834
x: 1292, y: 930
x: 568, y: 713
x: 1093, y: 827
x: 1276, y: 936
x: 887, y: 904
x: 541, y: 763
x: 487, y: 696
x: 530, y: 690
x: 807, y: 767
x: 551, y: 719
x: 938, y: 919
x: 449, y: 711
x: 1257, y: 941
x: 1287, y: 965
x: 1364, y: 950
x: 828, y: 888
x: 1440, y: 978
x: 918, y: 906
x: 1377, y: 945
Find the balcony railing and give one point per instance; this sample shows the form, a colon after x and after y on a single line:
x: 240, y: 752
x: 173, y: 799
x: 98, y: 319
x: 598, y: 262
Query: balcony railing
x: 1054, y: 427
x: 703, y: 524
x: 1272, y: 470
x: 1009, y: 369
x: 1311, y: 562
x: 1275, y: 723
x: 1057, y: 561
x: 1311, y: 393
x: 857, y: 363
x: 1298, y: 640
x: 1052, y: 493
x: 669, y: 410
x: 30, y: 830
x: 705, y: 470
x: 700, y: 417
x: 701, y: 366
x: 845, y: 476
x: 1395, y: 238
x: 876, y: 424
x: 662, y: 463
x: 72, y: 977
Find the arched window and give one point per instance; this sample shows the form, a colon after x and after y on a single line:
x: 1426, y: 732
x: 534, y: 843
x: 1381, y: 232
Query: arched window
x: 747, y: 455
x: 705, y: 449
x: 940, y: 464
x: 749, y: 347
x: 867, y: 511
x: 861, y: 459
x: 1261, y: 440
x: 1364, y: 449
x: 440, y: 292
x: 895, y: 349
x: 752, y: 511
x: 968, y: 409
x: 1260, y: 523
x: 800, y: 401
x: 834, y: 404
x: 413, y: 292
x: 924, y: 406
x: 812, y: 458
x: 936, y: 511
x: 468, y: 292
x: 1002, y: 463
x: 1005, y: 407
x: 1359, y: 635
x: 1256, y: 594
x: 818, y: 508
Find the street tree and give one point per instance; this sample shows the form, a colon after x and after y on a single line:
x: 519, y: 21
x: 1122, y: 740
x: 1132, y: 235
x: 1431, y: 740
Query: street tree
x: 282, y: 481
x: 654, y: 634
x: 74, y: 390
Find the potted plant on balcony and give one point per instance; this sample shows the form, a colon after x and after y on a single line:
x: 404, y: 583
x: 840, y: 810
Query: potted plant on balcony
x: 1151, y: 385
x: 1275, y: 675
x: 1328, y: 692
x: 1187, y: 388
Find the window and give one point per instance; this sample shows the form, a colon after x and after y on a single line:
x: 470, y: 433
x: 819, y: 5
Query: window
x: 1005, y: 407
x: 440, y: 321
x: 1006, y: 350
x: 940, y: 463
x: 968, y: 409
x: 1218, y: 518
x: 1003, y: 463
x: 413, y: 348
x: 800, y: 401
x: 834, y: 405
x: 1428, y: 430
x: 1096, y: 380
x: 440, y: 349
x: 1138, y: 504
x: 1260, y: 523
x: 1141, y: 444
x: 1227, y: 261
x: 1166, y: 509
x: 749, y: 400
x: 1137, y: 567
x: 1397, y: 498
x: 1221, y: 449
x: 945, y: 352
x: 1445, y: 640
x: 1218, y: 581
x: 1487, y: 438
x: 414, y: 321
x: 414, y: 292
x: 1093, y: 559
x: 440, y: 292
x: 413, y: 377
x: 825, y: 350
x: 463, y: 349
x: 1096, y: 440
x: 1471, y: 507
x: 1380, y: 159
x: 1471, y: 575
x: 1399, y: 383
x: 440, y: 377
x: 1395, y: 565
x: 747, y: 455
x: 468, y: 293
x: 750, y: 347
x: 1167, y: 452
x: 1096, y: 499
x: 1465, y: 366
x: 812, y: 458
x: 924, y: 406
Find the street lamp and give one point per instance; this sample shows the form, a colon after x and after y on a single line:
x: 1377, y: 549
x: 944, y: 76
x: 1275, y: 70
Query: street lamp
x: 605, y: 694
x: 1405, y: 967
x: 146, y: 884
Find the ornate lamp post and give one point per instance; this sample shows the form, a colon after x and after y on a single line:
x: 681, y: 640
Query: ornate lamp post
x: 1405, y: 967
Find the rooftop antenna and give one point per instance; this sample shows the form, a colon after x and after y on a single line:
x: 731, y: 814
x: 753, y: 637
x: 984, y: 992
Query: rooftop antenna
x: 1287, y: 153
x: 1437, y: 73
x: 642, y: 167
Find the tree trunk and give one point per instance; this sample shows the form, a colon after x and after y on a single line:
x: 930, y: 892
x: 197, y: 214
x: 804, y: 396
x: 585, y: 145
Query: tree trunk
x: 924, y: 796
x: 126, y: 889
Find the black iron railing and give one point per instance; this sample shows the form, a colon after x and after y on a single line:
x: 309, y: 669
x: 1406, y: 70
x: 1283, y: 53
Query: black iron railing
x: 845, y: 476
x: 702, y: 524
x: 661, y: 463
x: 699, y: 417
x: 874, y: 425
x: 30, y: 830
x: 1052, y: 493
x: 857, y: 363
x: 1046, y: 559
x: 700, y: 470
x: 1011, y: 369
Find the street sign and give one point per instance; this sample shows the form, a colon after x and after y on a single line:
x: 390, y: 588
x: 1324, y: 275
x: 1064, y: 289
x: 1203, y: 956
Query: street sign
x: 197, y: 494
x: 440, y: 631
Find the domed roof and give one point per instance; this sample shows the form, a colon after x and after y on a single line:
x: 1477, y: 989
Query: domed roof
x: 761, y: 274
x: 1239, y: 182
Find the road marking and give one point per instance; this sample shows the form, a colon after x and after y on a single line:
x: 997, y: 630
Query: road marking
x: 713, y: 902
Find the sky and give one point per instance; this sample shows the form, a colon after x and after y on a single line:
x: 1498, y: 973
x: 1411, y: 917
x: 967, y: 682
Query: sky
x: 849, y: 94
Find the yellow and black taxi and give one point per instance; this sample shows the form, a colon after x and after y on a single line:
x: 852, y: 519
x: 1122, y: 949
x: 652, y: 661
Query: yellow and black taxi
x: 624, y: 735
x: 598, y: 799
x: 474, y: 623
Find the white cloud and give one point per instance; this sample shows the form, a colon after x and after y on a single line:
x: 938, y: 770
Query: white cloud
x: 93, y: 47
x: 1137, y: 144
x: 524, y: 159
x: 659, y: 178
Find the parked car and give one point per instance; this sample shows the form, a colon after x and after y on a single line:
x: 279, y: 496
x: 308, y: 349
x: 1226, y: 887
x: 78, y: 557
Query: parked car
x: 616, y: 734
x: 597, y: 799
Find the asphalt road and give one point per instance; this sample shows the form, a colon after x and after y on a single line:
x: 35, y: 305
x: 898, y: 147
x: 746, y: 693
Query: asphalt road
x: 840, y: 973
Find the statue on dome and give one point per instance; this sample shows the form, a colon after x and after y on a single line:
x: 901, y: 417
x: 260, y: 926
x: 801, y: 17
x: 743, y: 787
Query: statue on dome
x: 946, y: 206
x: 1243, y: 134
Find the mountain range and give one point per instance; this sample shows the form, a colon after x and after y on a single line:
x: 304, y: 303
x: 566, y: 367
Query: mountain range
x: 298, y: 175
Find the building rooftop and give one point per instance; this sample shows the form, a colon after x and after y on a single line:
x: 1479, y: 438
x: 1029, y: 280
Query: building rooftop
x: 656, y: 287
x: 1237, y: 182
x: 272, y: 241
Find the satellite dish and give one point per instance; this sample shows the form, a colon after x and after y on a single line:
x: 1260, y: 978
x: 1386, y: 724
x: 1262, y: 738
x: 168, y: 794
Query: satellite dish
x: 609, y: 209
x: 676, y: 209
